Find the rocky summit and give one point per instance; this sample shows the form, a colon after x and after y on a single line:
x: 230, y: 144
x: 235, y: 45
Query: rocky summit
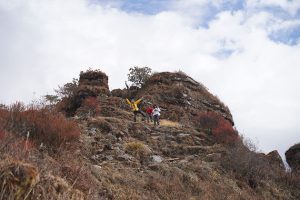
x: 195, y: 152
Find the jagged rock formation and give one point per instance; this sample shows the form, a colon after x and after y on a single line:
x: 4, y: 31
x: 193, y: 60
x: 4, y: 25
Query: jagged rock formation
x: 181, y: 96
x: 92, y: 83
x: 293, y: 157
x: 275, y: 160
x: 116, y: 158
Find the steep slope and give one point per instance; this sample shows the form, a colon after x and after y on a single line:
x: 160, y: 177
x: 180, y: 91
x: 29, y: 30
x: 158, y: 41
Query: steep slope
x: 183, y: 158
x: 181, y: 96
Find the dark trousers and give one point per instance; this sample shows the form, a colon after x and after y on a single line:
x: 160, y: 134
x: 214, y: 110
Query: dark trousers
x: 156, y: 119
x: 149, y: 117
x: 138, y: 112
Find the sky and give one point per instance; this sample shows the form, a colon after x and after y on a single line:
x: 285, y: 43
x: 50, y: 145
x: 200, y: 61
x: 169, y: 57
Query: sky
x: 247, y: 52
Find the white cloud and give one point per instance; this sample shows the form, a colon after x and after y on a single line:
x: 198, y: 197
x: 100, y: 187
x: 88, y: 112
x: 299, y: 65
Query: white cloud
x: 46, y: 43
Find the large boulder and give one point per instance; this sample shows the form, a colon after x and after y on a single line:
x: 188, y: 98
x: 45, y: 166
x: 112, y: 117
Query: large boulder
x: 275, y: 160
x: 293, y: 157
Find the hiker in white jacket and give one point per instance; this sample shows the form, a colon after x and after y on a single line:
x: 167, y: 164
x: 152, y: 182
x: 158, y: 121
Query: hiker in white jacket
x: 156, y: 114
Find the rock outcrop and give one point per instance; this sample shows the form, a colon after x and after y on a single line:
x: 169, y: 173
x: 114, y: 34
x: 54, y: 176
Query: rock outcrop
x: 117, y: 158
x: 275, y: 160
x: 293, y: 157
x: 92, y: 83
x: 181, y: 96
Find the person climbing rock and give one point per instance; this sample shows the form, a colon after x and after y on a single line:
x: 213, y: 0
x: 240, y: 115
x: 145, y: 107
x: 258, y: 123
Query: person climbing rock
x: 134, y: 106
x: 149, y: 112
x: 156, y: 115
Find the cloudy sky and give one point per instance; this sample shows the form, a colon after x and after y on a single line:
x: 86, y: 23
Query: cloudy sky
x: 247, y: 52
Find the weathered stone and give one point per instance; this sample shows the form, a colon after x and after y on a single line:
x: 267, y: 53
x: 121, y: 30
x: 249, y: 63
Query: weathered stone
x: 293, y: 157
x: 275, y: 159
x: 156, y: 159
x: 125, y: 157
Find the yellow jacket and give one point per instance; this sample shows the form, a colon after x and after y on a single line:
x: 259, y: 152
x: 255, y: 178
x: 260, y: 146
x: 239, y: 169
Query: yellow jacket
x: 134, y: 105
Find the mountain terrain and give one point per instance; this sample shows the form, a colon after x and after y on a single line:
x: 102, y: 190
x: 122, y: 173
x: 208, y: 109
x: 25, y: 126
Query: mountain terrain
x: 86, y: 145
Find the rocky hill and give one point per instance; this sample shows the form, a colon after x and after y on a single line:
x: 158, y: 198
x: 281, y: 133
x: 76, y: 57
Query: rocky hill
x: 195, y: 153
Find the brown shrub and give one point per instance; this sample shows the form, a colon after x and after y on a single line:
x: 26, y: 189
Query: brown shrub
x: 76, y: 173
x: 53, y: 187
x: 17, y: 179
x: 4, y: 114
x: 14, y: 146
x: 91, y: 105
x: 247, y: 165
x: 207, y: 120
x: 100, y: 123
x: 68, y: 105
x: 43, y: 125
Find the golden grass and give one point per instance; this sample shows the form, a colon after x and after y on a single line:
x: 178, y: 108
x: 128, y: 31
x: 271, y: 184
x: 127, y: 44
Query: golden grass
x: 134, y: 146
x: 137, y: 149
x: 168, y: 123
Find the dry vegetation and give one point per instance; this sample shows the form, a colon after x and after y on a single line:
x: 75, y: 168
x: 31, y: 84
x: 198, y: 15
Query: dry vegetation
x: 41, y: 124
x: 215, y: 124
x: 169, y: 123
x: 195, y: 154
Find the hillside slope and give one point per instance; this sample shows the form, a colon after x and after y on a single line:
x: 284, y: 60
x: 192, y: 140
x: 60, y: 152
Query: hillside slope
x: 194, y: 154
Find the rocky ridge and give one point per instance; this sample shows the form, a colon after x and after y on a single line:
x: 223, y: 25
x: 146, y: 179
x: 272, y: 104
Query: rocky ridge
x: 116, y: 158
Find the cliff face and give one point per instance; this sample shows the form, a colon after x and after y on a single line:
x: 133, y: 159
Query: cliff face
x: 293, y: 157
x: 92, y: 83
x: 182, y: 97
x: 186, y: 157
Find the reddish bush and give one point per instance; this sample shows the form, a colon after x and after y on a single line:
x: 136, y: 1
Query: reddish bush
x: 43, y: 125
x: 11, y: 145
x: 2, y: 135
x: 48, y: 127
x: 91, y: 105
x: 218, y: 126
x: 3, y: 119
x: 224, y: 132
x: 207, y: 120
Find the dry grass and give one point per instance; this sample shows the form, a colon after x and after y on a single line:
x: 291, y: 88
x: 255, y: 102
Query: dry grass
x: 168, y: 123
x: 137, y: 149
x: 17, y: 179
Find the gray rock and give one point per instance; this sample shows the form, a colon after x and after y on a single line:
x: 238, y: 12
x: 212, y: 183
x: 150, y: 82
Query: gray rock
x: 109, y: 158
x: 156, y: 159
x: 92, y: 131
x: 183, y: 135
x: 95, y: 157
x: 124, y: 157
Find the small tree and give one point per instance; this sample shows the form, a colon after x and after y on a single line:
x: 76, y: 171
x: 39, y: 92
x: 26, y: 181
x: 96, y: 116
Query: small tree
x: 68, y: 89
x: 51, y: 99
x: 139, y: 75
x: 66, y: 96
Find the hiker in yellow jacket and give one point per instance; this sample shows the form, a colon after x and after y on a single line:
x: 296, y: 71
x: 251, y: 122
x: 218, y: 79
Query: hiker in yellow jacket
x: 134, y: 106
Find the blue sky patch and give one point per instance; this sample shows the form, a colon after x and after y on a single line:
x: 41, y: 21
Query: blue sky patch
x: 208, y: 12
x: 289, y: 36
x: 223, y: 54
x: 145, y: 6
